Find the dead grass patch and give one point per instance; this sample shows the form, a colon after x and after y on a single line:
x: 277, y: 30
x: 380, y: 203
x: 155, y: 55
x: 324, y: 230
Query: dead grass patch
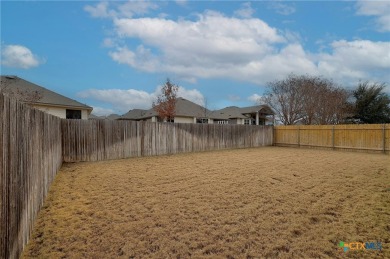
x: 248, y: 203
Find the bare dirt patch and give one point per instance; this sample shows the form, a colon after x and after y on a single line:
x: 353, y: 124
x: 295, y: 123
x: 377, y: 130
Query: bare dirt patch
x: 248, y: 203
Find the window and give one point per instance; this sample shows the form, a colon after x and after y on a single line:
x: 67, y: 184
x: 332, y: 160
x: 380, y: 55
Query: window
x: 202, y: 121
x: 223, y: 122
x: 247, y: 121
x: 73, y: 114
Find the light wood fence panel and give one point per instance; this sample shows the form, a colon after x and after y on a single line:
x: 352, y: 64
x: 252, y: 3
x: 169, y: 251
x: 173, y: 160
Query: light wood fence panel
x: 362, y: 137
x: 30, y: 157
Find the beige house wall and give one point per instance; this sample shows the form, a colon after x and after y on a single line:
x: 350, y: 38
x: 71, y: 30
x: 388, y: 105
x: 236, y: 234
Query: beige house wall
x: 59, y: 112
x: 184, y: 120
x: 84, y: 114
x: 56, y: 111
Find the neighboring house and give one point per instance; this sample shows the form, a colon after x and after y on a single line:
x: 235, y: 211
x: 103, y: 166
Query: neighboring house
x: 253, y: 115
x: 185, y: 112
x: 44, y: 99
x: 189, y: 112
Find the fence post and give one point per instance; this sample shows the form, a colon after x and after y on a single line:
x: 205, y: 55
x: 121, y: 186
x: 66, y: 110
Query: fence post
x: 138, y: 128
x: 384, y: 138
x: 273, y: 135
x: 299, y: 136
x: 263, y: 131
x: 333, y: 147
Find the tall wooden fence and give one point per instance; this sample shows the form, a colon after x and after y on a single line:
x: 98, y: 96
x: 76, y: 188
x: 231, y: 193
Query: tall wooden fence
x: 102, y: 139
x: 362, y: 137
x: 31, y: 155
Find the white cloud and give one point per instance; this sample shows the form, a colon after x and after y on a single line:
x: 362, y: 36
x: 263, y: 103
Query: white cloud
x: 212, y: 46
x: 283, y: 9
x: 380, y: 9
x: 125, y: 100
x: 181, y: 2
x: 128, y: 9
x: 99, y: 10
x: 121, y: 100
x: 193, y: 95
x: 19, y: 56
x: 246, y: 11
x: 99, y: 111
x: 216, y: 46
x: 142, y: 58
x: 136, y: 7
x: 255, y: 98
x: 247, y: 49
x: 123, y: 55
x: 354, y: 60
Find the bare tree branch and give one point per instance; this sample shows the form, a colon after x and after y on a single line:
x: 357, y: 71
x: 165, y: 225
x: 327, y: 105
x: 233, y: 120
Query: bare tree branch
x: 307, y: 100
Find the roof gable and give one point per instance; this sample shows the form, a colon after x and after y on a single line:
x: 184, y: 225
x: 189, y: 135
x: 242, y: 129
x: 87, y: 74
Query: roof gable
x: 231, y: 112
x: 14, y: 84
x: 184, y: 108
x: 187, y: 108
x: 134, y: 114
x: 234, y: 112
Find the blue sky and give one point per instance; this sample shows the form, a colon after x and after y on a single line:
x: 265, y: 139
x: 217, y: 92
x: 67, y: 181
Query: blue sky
x: 114, y: 55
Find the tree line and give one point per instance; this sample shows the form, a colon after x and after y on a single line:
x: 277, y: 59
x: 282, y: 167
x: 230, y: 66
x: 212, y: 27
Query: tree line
x: 305, y: 99
x: 308, y: 100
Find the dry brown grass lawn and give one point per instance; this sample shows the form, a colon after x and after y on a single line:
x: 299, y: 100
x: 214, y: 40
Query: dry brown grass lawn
x: 248, y: 203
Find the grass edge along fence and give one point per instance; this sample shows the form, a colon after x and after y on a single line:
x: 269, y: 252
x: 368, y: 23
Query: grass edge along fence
x: 30, y: 157
x: 97, y: 140
x: 357, y: 137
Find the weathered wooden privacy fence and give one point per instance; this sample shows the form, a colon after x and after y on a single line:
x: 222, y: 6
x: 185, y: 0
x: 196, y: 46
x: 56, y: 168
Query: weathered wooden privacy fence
x: 34, y: 145
x: 31, y: 155
x: 363, y: 137
x: 102, y: 139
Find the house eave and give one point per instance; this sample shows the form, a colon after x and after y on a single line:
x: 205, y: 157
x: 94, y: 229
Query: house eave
x: 88, y: 108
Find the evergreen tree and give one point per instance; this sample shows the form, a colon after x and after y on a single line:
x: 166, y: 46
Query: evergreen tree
x: 372, y: 105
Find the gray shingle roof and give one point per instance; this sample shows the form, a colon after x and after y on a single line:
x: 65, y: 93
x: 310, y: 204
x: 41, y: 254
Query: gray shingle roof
x: 135, y: 114
x: 234, y: 112
x: 184, y: 108
x: 254, y: 109
x: 187, y: 108
x: 14, y: 84
x: 113, y: 116
x: 231, y: 112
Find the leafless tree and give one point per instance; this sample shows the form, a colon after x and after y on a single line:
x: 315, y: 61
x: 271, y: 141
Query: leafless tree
x: 165, y: 104
x: 333, y: 106
x: 285, y: 98
x: 307, y: 100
